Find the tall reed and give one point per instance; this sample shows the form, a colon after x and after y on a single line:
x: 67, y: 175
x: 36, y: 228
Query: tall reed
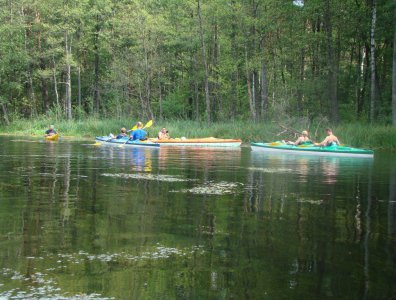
x: 356, y: 134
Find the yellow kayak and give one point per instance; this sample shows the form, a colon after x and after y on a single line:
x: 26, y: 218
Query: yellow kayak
x: 203, y: 142
x: 54, y: 137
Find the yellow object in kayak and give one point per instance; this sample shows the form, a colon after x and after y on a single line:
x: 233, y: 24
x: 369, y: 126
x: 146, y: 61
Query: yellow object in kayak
x: 53, y: 137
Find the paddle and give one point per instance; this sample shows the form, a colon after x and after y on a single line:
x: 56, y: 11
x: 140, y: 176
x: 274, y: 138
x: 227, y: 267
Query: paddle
x: 133, y: 128
x: 148, y: 124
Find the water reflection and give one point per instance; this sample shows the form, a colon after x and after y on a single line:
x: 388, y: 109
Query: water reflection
x: 193, y: 224
x: 141, y: 159
x: 348, y: 207
x: 391, y: 228
x: 311, y: 180
x: 202, y: 157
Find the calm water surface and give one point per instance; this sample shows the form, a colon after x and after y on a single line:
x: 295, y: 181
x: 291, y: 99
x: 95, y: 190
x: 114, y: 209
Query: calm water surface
x: 86, y: 222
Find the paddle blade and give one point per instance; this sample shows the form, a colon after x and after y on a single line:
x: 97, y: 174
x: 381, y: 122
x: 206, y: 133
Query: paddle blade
x: 134, y: 128
x: 149, y: 124
x: 97, y: 144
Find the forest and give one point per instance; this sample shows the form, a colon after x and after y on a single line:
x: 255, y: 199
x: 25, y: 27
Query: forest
x: 201, y: 60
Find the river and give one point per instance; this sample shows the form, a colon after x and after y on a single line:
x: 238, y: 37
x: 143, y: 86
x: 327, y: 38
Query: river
x: 79, y: 221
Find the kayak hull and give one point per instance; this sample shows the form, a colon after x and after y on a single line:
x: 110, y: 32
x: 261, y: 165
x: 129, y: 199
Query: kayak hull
x: 278, y: 147
x: 53, y: 137
x: 106, y: 140
x: 199, y: 142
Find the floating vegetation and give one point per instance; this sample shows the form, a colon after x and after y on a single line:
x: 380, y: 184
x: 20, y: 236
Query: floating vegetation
x: 159, y: 252
x: 212, y: 188
x: 51, y: 175
x: 271, y: 170
x: 317, y: 202
x: 146, y: 176
x: 40, y: 285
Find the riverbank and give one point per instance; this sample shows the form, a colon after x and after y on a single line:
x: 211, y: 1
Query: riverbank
x: 356, y: 134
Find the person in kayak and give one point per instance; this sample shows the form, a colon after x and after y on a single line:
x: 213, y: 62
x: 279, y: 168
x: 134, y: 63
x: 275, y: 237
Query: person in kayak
x: 122, y: 133
x: 139, y: 134
x: 303, y: 139
x: 330, y: 140
x: 50, y: 131
x: 163, y: 134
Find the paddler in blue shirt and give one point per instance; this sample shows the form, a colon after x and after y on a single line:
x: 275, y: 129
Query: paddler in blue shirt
x: 139, y: 134
x: 51, y: 131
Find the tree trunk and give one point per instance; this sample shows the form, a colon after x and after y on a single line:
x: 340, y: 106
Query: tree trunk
x: 5, y: 115
x: 160, y: 101
x: 361, y: 82
x: 196, y: 98
x: 79, y: 87
x: 217, y: 101
x: 68, y: 78
x: 263, y: 84
x: 56, y: 87
x: 372, y: 62
x: 301, y: 82
x: 30, y: 89
x: 44, y: 85
x: 44, y: 93
x: 96, y: 97
x: 147, y: 111
x: 264, y: 90
x: 332, y: 66
x: 32, y: 95
x: 252, y: 103
x: 207, y: 96
x: 254, y: 98
x: 234, y: 75
x: 394, y: 76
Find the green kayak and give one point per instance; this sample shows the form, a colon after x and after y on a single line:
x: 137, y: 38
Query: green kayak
x: 311, y: 149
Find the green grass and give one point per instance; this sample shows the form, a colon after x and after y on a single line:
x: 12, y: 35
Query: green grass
x: 357, y: 135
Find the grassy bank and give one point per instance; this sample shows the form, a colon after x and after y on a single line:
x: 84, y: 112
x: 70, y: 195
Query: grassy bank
x: 358, y: 135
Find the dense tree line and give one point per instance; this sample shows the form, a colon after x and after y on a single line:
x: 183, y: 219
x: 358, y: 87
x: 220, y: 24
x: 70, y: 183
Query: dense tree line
x: 198, y: 59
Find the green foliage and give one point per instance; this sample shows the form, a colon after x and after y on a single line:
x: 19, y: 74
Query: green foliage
x: 175, y: 105
x: 127, y: 55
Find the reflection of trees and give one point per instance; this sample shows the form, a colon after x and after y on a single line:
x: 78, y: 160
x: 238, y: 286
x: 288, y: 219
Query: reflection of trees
x: 263, y: 243
x: 308, y: 239
x: 367, y: 239
x: 391, y: 228
x: 66, y: 183
x: 39, y: 199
